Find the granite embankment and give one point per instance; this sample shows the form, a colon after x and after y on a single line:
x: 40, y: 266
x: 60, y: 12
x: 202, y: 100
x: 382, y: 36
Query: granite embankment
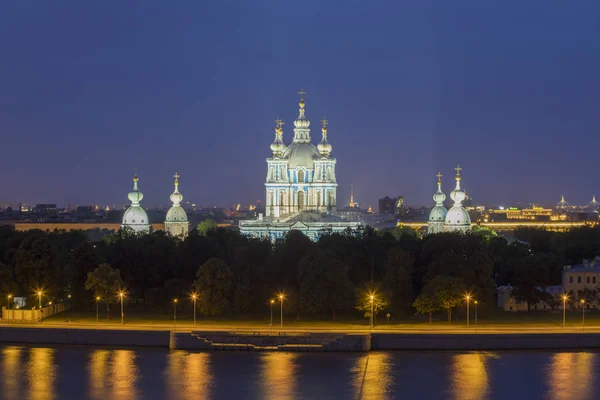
x: 313, y: 341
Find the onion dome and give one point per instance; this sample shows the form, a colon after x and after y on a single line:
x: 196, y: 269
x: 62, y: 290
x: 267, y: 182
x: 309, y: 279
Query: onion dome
x: 324, y: 147
x: 135, y: 196
x: 439, y: 197
x: 457, y: 218
x: 437, y: 215
x: 457, y: 195
x: 278, y: 147
x: 301, y: 130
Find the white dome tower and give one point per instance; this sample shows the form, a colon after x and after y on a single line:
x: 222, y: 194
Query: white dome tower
x: 324, y: 147
x: 457, y: 218
x: 176, y: 222
x: 437, y: 215
x: 135, y: 217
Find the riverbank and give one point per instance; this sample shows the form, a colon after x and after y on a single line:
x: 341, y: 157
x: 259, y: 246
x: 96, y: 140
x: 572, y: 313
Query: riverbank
x: 300, y: 340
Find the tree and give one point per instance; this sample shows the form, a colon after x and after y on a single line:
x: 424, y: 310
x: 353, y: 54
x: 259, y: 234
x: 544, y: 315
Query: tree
x: 83, y: 261
x: 36, y: 265
x: 105, y: 282
x: 323, y: 284
x: 398, y: 278
x: 365, y: 304
x: 214, y: 283
x: 445, y: 292
x: 207, y: 225
x: 531, y: 278
x: 7, y: 282
x: 426, y: 303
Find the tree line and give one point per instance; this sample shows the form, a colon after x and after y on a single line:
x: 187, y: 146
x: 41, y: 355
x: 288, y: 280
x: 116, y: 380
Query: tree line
x: 237, y: 275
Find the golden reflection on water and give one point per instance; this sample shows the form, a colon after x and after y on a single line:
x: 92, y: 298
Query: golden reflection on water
x: 571, y: 376
x: 113, y: 374
x: 41, y: 373
x: 189, y: 375
x: 470, y: 376
x: 11, y: 372
x: 374, y: 378
x: 279, y: 375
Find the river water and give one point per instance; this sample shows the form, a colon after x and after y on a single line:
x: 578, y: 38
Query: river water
x: 112, y: 373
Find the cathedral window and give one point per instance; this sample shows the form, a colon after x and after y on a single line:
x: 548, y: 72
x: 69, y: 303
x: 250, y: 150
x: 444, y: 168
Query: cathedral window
x: 301, y: 175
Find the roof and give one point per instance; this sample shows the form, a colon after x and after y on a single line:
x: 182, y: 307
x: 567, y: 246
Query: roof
x: 301, y: 155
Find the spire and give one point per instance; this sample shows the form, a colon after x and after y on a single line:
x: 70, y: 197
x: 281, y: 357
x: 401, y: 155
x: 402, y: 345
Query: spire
x: 324, y: 147
x: 439, y: 196
x: 176, y: 197
x: 301, y: 130
x: 278, y: 147
x: 135, y: 196
x: 351, y: 196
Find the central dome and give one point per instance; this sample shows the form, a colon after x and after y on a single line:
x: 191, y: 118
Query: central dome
x: 301, y: 155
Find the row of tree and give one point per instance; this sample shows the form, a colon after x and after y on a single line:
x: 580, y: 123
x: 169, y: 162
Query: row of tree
x: 237, y: 275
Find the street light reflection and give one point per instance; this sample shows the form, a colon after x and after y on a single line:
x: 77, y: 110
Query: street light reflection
x: 567, y: 368
x: 41, y: 374
x: 374, y: 376
x: 470, y: 376
x: 97, y: 368
x: 11, y: 373
x: 279, y: 375
x: 190, y: 375
x: 124, y: 375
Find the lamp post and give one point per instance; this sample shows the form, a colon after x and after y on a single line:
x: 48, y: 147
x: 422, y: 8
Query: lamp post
x: 475, y: 313
x: 121, y: 296
x: 372, y: 301
x: 468, y: 298
x: 281, y: 297
x: 97, y: 301
x: 39, y: 294
x: 564, y: 297
x: 194, y: 298
x: 582, y: 314
x: 8, y: 300
x: 174, y: 313
x: 271, y: 304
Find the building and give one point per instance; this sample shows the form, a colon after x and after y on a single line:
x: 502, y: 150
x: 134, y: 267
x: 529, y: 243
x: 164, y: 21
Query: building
x: 301, y: 186
x: 456, y: 219
x: 176, y: 222
x: 532, y: 214
x: 508, y: 303
x: 577, y: 279
x: 300, y: 176
x: 391, y: 205
x: 135, y: 217
x: 437, y: 215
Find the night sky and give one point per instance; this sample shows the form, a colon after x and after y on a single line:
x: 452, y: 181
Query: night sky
x: 91, y: 90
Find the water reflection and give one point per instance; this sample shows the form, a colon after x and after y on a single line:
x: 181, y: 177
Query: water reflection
x: 124, y: 374
x: 374, y: 378
x: 189, y: 375
x: 279, y: 375
x: 571, y: 376
x: 98, y: 373
x: 470, y: 376
x: 11, y: 373
x: 41, y: 372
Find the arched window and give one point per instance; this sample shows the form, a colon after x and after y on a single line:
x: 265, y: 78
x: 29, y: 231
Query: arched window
x: 329, y: 199
x: 281, y: 197
x: 300, y: 200
x: 301, y: 175
x: 271, y: 199
x: 319, y: 199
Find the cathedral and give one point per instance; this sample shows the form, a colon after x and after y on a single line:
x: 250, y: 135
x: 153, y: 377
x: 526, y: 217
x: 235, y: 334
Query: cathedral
x: 301, y: 186
x: 456, y: 219
x: 136, y: 218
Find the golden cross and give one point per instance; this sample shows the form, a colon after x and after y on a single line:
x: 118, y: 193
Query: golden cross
x: 439, y: 176
x: 176, y: 176
x: 301, y: 93
x: 324, y: 122
x: 458, y: 169
x: 279, y: 123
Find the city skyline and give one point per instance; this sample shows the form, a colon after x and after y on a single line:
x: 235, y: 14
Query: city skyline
x: 409, y: 90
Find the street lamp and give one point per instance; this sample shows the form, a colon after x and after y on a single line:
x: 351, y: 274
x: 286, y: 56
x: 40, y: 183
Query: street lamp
x: 271, y: 304
x: 97, y: 301
x: 39, y: 294
x: 174, y: 312
x: 582, y: 314
x: 194, y: 298
x: 372, y: 301
x: 468, y: 298
x: 564, y: 297
x: 121, y: 296
x: 475, y: 313
x: 281, y: 298
x: 8, y: 302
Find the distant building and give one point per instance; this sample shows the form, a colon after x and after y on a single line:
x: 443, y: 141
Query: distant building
x: 135, y: 217
x: 508, y: 303
x: 456, y: 219
x: 45, y: 210
x: 532, y: 214
x: 387, y: 206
